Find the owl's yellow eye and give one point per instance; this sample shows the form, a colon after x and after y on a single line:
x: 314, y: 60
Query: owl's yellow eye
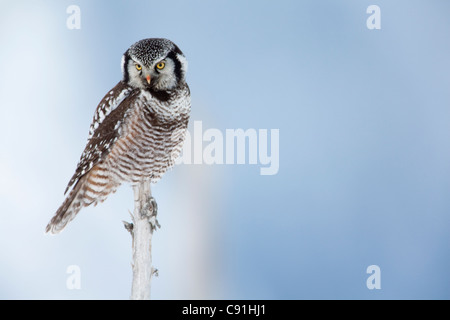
x: 138, y: 67
x: 160, y: 65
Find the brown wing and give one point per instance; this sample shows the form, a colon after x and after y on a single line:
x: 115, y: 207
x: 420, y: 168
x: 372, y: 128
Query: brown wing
x: 105, y: 129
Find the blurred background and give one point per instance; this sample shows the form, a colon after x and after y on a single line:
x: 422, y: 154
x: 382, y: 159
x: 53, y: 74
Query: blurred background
x: 364, y: 150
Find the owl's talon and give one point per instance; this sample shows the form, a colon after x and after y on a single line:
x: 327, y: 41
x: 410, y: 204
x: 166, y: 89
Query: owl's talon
x: 151, y: 212
x: 153, y: 206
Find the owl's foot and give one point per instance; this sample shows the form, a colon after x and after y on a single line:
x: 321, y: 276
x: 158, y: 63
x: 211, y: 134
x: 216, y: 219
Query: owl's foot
x: 151, y: 211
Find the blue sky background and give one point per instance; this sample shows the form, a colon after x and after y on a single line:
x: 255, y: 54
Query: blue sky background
x: 364, y: 177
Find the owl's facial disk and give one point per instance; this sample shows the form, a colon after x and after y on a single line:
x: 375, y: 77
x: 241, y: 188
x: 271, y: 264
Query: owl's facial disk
x: 159, y: 76
x: 162, y: 75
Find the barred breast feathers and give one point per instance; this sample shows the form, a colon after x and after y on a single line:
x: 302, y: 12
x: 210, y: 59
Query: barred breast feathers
x: 151, y: 140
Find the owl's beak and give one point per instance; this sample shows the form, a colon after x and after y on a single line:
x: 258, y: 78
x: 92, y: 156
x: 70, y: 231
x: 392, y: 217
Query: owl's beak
x: 148, y: 79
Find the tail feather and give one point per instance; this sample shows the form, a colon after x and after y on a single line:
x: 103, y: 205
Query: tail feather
x: 69, y: 209
x: 92, y: 188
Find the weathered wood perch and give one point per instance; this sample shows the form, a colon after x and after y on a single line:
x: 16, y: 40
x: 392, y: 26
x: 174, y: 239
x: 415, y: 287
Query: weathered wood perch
x: 143, y: 224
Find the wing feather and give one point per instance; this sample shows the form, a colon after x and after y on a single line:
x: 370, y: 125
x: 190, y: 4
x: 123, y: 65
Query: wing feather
x: 105, y: 129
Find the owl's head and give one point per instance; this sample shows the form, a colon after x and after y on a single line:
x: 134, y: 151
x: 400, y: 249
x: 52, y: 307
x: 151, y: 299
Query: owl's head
x: 156, y: 64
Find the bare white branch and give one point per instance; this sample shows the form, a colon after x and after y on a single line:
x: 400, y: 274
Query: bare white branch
x: 143, y: 224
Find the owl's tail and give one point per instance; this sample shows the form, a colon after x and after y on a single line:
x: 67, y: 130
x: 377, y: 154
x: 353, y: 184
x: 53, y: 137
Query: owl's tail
x: 84, y: 193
